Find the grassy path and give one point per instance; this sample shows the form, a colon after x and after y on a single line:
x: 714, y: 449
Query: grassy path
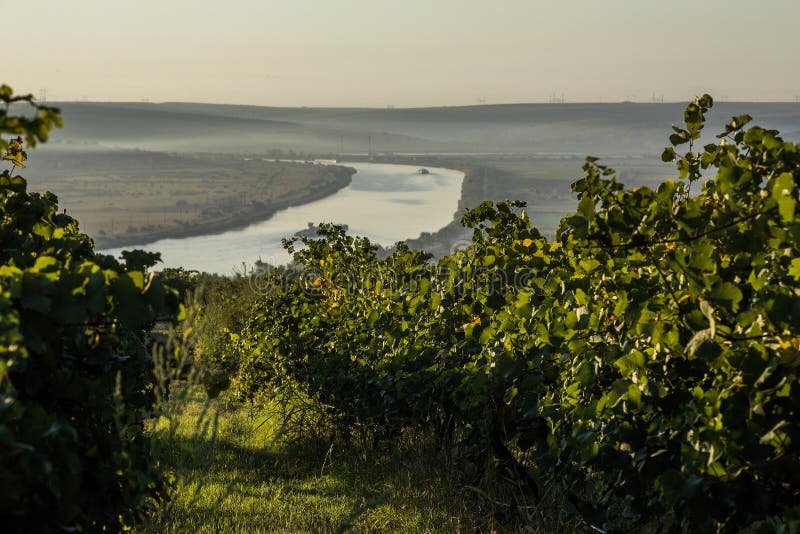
x: 234, y: 476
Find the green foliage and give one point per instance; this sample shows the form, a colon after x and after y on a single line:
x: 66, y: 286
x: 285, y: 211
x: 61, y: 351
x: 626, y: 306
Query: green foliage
x: 222, y: 306
x: 647, y: 357
x: 34, y: 126
x: 75, y: 370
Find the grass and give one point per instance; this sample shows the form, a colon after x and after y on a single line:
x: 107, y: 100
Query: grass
x: 237, y: 475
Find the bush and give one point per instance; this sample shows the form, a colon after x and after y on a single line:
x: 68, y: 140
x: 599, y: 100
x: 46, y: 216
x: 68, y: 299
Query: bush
x: 75, y: 371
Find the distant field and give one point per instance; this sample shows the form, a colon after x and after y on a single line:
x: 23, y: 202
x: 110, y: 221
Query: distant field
x: 130, y: 197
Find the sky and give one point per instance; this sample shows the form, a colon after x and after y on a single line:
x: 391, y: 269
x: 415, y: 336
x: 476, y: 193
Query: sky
x: 408, y: 53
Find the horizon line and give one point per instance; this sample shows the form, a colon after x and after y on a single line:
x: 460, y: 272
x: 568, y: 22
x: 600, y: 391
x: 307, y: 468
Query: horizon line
x: 401, y: 108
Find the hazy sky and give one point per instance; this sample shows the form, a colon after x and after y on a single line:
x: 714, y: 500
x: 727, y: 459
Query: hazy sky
x: 402, y: 53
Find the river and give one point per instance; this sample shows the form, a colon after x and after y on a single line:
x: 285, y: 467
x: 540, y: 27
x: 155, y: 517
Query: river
x: 386, y: 203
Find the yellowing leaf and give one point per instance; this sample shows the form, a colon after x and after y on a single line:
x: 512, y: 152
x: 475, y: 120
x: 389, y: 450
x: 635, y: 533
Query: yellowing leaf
x: 15, y: 159
x: 472, y: 324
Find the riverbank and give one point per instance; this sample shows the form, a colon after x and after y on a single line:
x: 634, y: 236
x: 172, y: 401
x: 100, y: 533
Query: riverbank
x: 241, y: 216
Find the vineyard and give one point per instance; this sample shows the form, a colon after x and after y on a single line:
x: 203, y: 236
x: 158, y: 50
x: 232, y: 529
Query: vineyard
x: 645, y: 360
x: 642, y: 366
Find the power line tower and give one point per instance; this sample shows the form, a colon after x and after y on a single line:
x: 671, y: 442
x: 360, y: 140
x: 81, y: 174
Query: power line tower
x: 43, y: 95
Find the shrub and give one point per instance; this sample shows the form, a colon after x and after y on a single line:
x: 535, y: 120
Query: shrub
x: 75, y: 371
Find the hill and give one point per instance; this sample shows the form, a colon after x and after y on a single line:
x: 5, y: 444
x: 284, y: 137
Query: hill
x: 610, y: 129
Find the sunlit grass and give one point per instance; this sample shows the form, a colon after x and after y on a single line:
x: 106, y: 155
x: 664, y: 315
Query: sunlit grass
x: 235, y: 477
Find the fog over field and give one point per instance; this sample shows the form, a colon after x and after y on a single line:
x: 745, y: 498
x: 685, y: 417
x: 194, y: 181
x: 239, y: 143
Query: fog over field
x: 620, y: 129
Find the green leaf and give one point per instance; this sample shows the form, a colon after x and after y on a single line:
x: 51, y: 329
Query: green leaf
x: 510, y: 394
x: 45, y: 264
x: 487, y: 335
x: 629, y: 363
x: 372, y: 318
x: 436, y: 299
x: 590, y: 450
x: 782, y: 191
x: 794, y: 269
x: 740, y: 121
x: 677, y: 139
x: 586, y: 207
x: 705, y: 101
x: 585, y: 373
x: 728, y: 294
x: 137, y: 277
x: 621, y: 305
